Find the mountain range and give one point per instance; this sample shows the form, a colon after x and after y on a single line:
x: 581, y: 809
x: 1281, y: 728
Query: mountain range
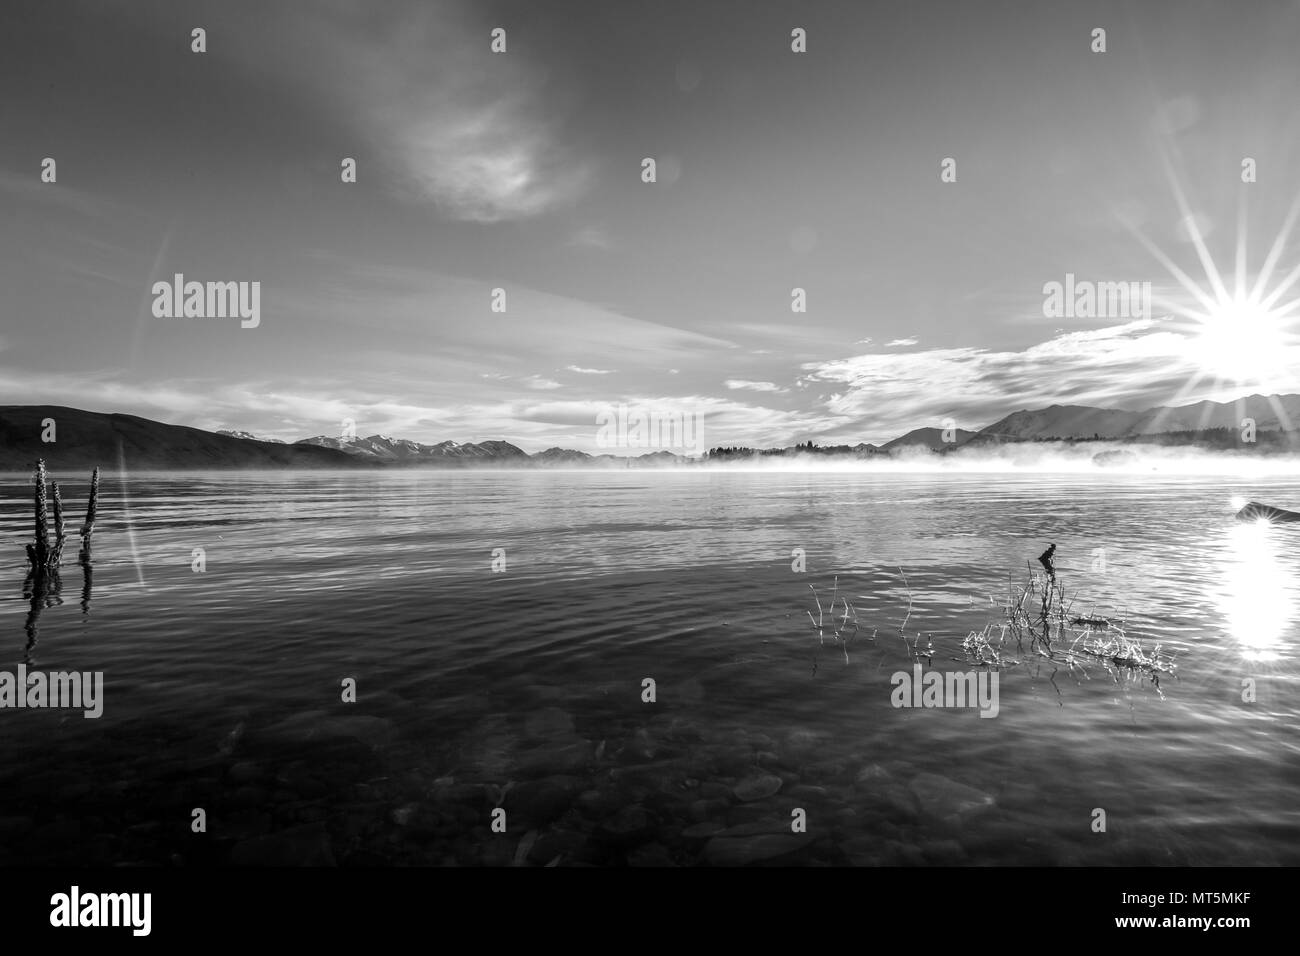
x: 402, y: 451
x: 72, y: 438
x: 1274, y: 413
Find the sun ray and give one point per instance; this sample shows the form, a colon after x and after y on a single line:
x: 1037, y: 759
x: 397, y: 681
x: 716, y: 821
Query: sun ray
x: 1239, y: 277
x: 1277, y: 293
x: 1283, y: 418
x: 1187, y: 388
x: 1194, y: 230
x: 1183, y: 278
x: 1275, y: 251
x: 1283, y: 311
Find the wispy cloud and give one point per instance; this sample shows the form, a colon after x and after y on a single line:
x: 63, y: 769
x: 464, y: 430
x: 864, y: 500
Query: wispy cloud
x: 588, y: 371
x: 538, y: 382
x: 483, y: 162
x: 475, y: 133
x: 896, y: 342
x: 29, y: 188
x: 470, y: 129
x: 740, y: 383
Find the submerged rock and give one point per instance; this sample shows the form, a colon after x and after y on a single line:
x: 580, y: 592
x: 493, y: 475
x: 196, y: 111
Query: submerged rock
x: 871, y: 775
x: 756, y: 848
x: 755, y: 828
x: 626, y: 826
x: 535, y: 803
x: 702, y: 831
x: 565, y: 754
x: 803, y: 745
x: 948, y: 800
x: 757, y: 787
x: 880, y: 792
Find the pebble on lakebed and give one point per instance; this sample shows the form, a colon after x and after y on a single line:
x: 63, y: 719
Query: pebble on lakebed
x: 757, y: 787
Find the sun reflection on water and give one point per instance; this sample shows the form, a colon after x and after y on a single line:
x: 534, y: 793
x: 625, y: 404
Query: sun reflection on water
x: 1257, y: 590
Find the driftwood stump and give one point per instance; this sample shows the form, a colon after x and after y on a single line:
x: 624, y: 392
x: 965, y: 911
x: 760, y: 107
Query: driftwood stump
x: 43, y: 584
x: 44, y: 556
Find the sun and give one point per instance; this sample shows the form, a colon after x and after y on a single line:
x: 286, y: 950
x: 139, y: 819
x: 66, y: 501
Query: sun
x: 1239, y: 340
x: 1237, y: 328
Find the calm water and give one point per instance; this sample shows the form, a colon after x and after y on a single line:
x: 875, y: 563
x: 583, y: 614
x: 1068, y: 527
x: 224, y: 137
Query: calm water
x: 524, y: 688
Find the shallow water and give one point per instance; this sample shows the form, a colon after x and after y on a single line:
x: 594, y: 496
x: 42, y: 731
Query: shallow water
x: 524, y: 687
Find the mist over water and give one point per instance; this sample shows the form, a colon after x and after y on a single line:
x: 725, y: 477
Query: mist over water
x: 524, y: 687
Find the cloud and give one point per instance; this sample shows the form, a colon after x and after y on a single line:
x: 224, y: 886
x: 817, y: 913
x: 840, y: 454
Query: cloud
x: 477, y: 134
x: 545, y: 384
x: 483, y: 162
x: 739, y: 383
x: 307, y: 408
x: 588, y: 371
x: 894, y: 342
x: 470, y: 130
x: 1136, y: 365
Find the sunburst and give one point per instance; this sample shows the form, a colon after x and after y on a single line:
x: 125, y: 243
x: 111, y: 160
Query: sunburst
x: 1242, y: 337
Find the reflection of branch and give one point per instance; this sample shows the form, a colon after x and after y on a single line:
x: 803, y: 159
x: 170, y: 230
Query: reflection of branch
x: 902, y: 628
x: 88, y: 573
x: 43, y: 587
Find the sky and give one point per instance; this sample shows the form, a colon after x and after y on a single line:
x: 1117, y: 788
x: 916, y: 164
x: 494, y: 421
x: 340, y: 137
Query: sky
x: 523, y: 171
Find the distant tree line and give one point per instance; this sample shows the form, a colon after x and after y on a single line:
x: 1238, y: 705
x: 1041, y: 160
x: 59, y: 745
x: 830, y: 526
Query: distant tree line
x: 804, y: 448
x: 1221, y: 439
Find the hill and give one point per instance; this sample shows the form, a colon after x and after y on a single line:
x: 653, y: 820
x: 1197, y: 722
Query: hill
x: 931, y: 438
x: 83, y: 440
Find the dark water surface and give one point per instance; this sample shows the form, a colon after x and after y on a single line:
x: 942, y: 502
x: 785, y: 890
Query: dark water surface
x: 524, y: 688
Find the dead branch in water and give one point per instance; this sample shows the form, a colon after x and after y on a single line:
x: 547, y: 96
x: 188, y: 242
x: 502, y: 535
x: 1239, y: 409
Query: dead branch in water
x: 43, y: 585
x: 88, y: 528
x: 842, y: 630
x: 1040, y: 613
x: 43, y: 556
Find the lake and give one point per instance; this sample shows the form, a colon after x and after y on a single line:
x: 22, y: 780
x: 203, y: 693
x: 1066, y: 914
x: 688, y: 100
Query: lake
x: 506, y: 631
